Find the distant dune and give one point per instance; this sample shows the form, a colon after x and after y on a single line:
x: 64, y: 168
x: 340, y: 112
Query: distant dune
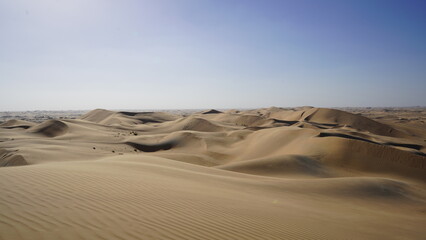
x: 272, y: 173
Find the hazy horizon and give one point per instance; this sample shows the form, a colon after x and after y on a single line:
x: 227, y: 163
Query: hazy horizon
x: 202, y: 109
x: 187, y: 54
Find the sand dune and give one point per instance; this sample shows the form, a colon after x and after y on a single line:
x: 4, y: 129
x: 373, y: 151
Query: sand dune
x: 11, y: 158
x: 106, y: 117
x: 15, y: 123
x: 50, y: 128
x: 211, y: 111
x: 273, y: 173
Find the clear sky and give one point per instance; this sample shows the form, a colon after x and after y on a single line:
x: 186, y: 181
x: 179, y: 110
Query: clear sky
x: 85, y: 54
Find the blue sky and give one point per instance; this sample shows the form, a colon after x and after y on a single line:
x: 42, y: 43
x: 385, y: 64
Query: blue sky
x: 85, y: 54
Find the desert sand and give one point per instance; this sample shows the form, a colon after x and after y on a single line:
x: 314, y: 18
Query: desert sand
x: 273, y: 173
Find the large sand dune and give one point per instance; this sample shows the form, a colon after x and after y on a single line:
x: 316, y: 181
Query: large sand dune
x: 302, y: 173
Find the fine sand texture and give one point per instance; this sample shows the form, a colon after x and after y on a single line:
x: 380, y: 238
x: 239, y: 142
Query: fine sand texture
x: 273, y: 173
